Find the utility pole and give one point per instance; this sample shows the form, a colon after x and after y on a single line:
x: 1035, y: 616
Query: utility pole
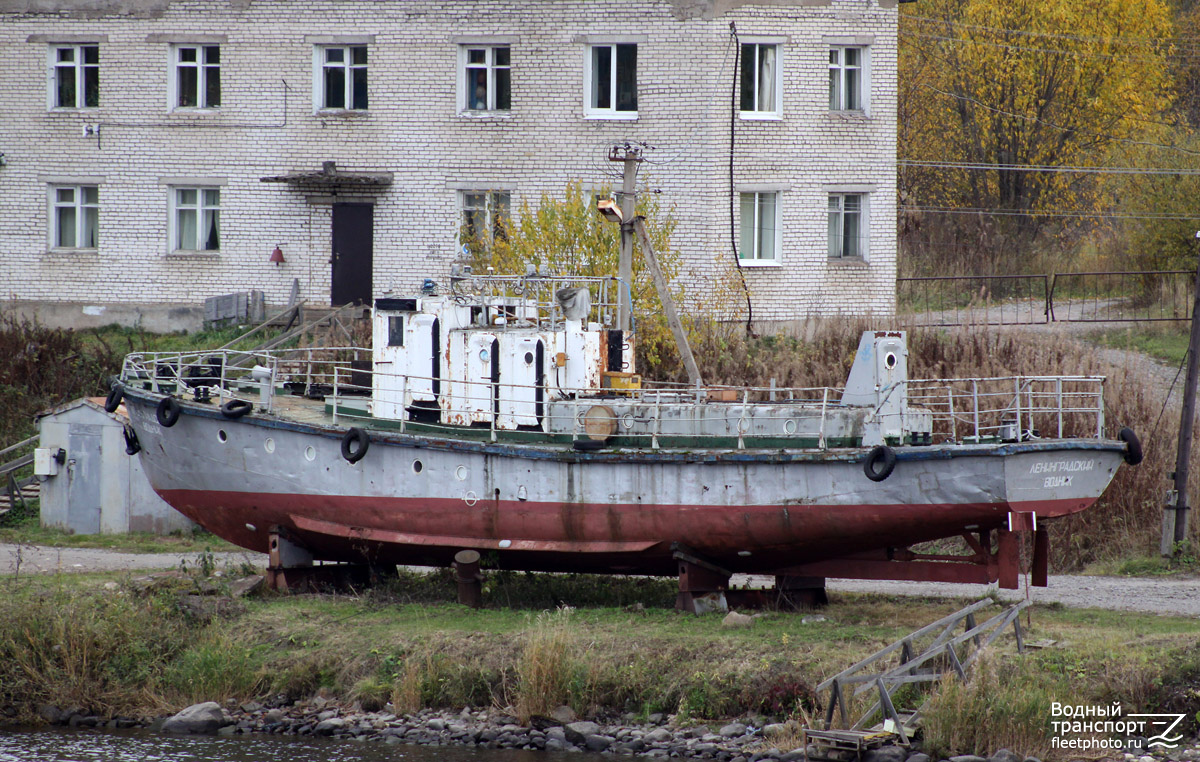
x: 1184, y: 453
x: 631, y: 155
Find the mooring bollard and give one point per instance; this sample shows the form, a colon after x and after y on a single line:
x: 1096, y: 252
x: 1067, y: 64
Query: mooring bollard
x: 470, y: 581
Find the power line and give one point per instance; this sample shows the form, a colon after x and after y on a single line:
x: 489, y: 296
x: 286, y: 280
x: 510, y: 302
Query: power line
x: 1049, y: 168
x: 1080, y: 214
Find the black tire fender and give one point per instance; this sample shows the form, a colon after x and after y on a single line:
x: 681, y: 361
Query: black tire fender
x: 236, y: 408
x: 880, y: 463
x: 586, y: 445
x: 168, y: 411
x: 114, y: 399
x: 1133, y: 446
x: 132, y: 445
x: 355, y: 436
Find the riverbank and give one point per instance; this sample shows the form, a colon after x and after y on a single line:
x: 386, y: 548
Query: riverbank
x: 141, y: 647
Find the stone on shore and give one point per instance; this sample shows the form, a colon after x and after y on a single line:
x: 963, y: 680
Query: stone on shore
x: 734, y: 619
x: 564, y: 715
x: 733, y: 730
x: 197, y: 719
x: 576, y: 732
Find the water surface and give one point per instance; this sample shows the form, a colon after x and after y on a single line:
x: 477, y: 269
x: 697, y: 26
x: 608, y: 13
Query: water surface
x: 61, y: 745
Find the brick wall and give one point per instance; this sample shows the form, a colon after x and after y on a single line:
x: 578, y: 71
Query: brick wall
x: 266, y: 126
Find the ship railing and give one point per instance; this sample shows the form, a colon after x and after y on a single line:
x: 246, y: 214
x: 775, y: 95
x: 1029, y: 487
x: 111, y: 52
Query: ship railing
x: 960, y: 410
x: 1009, y: 408
x: 538, y: 293
x: 225, y: 372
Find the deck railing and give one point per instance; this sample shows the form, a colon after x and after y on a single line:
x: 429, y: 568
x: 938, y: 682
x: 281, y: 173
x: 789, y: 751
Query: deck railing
x: 964, y: 410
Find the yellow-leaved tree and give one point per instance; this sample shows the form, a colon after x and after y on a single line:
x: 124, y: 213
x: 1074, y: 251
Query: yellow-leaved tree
x: 567, y: 236
x: 1004, y: 86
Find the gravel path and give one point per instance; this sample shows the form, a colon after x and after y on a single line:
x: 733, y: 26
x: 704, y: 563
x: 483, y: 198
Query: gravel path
x: 1175, y: 596
x: 36, y: 559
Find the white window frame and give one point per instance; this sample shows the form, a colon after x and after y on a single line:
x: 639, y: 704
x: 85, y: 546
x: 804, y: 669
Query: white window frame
x: 203, y: 72
x: 754, y: 257
x: 320, y: 61
x: 592, y: 112
x: 775, y: 113
x: 201, y: 207
x: 864, y: 225
x: 491, y: 197
x: 464, y: 88
x: 80, y: 70
x: 80, y: 208
x: 839, y: 71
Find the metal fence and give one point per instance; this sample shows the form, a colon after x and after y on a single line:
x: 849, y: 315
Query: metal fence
x: 1088, y: 297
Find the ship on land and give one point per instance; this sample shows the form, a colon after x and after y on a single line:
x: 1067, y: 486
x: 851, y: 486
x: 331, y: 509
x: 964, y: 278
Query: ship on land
x: 504, y: 416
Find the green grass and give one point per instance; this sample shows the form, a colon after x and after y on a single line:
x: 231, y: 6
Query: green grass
x: 122, y: 340
x: 1146, y: 566
x: 1167, y: 342
x: 66, y: 637
x: 28, y: 532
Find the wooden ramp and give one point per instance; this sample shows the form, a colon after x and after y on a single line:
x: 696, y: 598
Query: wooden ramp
x: 925, y: 656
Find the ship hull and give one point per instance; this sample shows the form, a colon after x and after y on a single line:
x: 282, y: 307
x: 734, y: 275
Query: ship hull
x: 418, y: 500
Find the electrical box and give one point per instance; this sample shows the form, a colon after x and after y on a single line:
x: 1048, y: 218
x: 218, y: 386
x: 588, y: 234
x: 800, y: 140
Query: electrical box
x: 45, y: 461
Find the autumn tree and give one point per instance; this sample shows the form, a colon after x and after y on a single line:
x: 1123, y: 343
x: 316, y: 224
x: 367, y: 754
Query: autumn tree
x: 567, y: 236
x: 997, y: 87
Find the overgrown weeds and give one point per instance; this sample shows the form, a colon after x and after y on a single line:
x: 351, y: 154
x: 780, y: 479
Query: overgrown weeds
x: 549, y: 666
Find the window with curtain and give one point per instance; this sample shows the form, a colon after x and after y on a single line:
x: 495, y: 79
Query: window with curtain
x: 487, y: 78
x: 846, y: 66
x: 847, y: 225
x: 759, y: 226
x: 76, y: 216
x: 197, y: 76
x: 196, y: 217
x: 484, y: 215
x: 760, y: 80
x: 76, y: 76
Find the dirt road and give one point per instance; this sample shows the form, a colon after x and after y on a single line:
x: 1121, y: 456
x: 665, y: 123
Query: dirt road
x: 1179, y: 597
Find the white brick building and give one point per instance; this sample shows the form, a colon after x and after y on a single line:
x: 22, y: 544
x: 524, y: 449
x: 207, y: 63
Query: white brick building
x: 136, y: 135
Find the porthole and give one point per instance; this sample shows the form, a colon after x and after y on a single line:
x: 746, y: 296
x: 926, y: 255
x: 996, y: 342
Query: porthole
x: 460, y: 473
x: 310, y: 453
x: 529, y: 358
x: 222, y: 436
x: 789, y: 427
x: 269, y: 445
x: 890, y: 360
x: 417, y: 466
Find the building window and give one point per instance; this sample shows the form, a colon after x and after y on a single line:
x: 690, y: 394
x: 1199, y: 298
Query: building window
x: 487, y: 79
x: 846, y: 67
x: 760, y: 80
x: 484, y: 216
x: 343, y: 77
x: 760, y: 227
x: 195, y: 218
x: 197, y: 76
x: 76, y: 216
x: 847, y: 225
x: 76, y: 76
x: 612, y: 81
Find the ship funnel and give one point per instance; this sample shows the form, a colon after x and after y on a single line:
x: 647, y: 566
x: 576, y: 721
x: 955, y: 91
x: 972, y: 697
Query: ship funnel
x: 878, y: 380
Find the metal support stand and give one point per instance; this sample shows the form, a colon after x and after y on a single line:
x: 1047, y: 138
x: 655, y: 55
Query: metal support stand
x: 470, y: 581
x: 797, y: 592
x: 290, y: 569
x: 702, y: 585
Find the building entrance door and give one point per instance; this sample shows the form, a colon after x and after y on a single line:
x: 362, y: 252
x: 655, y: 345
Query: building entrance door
x: 353, y: 236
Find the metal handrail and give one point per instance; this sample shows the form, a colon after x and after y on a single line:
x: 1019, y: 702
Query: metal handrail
x: 982, y: 407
